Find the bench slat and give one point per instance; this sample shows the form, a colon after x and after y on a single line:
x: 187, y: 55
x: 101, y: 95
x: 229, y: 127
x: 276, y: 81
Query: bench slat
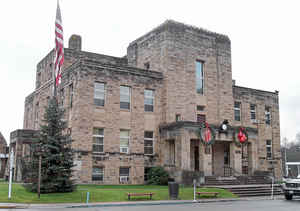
x: 140, y: 194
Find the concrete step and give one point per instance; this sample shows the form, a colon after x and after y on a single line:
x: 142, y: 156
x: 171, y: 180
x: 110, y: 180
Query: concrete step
x: 248, y: 191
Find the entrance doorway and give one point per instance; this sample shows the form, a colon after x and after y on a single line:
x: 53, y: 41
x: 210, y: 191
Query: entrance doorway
x: 221, y: 159
x: 196, y: 156
x: 227, y: 169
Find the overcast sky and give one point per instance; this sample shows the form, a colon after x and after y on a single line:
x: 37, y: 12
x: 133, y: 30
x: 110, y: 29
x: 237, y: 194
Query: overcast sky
x: 264, y: 39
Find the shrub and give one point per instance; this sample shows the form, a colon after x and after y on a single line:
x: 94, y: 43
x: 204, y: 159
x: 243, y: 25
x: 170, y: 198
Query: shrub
x: 158, y: 176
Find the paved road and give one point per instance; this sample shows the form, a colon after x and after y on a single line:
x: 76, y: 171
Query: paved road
x: 253, y: 205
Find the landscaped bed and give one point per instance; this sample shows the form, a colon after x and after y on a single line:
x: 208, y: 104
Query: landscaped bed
x: 103, y: 193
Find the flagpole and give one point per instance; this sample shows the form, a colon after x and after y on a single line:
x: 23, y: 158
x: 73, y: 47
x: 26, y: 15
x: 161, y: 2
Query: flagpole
x: 58, y: 51
x: 11, y: 163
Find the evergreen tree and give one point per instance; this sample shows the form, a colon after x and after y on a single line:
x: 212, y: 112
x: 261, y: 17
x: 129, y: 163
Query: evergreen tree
x: 56, y: 151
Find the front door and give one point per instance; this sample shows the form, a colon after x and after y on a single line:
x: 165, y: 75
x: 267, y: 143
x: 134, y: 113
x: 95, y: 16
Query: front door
x: 196, y: 156
x: 227, y: 169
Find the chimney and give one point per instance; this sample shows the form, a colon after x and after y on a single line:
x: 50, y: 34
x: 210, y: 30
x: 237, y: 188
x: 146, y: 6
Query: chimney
x: 75, y: 42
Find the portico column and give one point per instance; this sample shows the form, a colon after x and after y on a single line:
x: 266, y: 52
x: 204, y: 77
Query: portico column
x: 236, y: 157
x: 205, y: 160
x: 185, y: 150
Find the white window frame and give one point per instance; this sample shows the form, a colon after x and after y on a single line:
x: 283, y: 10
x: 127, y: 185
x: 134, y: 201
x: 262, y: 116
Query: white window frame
x: 98, y: 136
x: 269, y: 146
x: 151, y: 97
x: 237, y: 109
x: 149, y: 139
x: 98, y: 174
x: 125, y: 94
x: 201, y: 78
x: 122, y: 146
x: 268, y: 116
x: 71, y: 95
x: 124, y: 178
x: 253, y: 111
x: 99, y: 93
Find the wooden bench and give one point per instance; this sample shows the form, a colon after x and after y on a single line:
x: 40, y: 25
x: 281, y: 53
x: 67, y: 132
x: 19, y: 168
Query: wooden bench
x: 140, y: 194
x: 214, y: 194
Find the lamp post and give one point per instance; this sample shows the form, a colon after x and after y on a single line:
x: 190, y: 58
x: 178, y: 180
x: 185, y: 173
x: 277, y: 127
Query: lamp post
x: 11, y: 166
x: 40, y: 151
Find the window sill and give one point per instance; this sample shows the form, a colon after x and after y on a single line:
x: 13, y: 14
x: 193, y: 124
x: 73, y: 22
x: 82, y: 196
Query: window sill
x: 98, y: 153
x: 99, y: 107
x: 125, y: 110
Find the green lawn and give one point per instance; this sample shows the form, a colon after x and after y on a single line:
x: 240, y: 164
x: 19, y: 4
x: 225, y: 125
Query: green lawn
x: 101, y: 193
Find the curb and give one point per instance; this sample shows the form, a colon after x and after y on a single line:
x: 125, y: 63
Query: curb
x: 132, y: 204
x: 153, y: 203
x: 123, y: 204
x: 12, y: 207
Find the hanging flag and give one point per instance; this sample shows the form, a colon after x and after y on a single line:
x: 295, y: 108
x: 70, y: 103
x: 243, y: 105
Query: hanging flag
x: 59, y: 46
x: 242, y: 136
x: 206, y: 134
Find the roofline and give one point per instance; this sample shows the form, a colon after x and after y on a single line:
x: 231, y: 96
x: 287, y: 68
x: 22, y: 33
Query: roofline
x: 169, y: 21
x: 259, y: 90
x: 118, y: 68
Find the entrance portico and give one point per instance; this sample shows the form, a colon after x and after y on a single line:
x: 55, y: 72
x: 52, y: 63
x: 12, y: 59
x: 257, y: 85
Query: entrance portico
x: 184, y: 152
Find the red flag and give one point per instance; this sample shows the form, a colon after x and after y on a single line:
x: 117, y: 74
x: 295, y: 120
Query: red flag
x: 59, y: 46
x: 207, y: 135
x: 242, y: 137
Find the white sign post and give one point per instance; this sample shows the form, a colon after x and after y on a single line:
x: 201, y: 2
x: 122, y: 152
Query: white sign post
x: 11, y: 163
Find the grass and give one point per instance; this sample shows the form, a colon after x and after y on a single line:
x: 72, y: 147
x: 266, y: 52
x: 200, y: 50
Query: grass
x: 102, y: 193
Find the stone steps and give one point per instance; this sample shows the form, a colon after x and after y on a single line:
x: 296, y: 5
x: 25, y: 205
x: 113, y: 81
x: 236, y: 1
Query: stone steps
x: 257, y: 190
x: 240, y: 180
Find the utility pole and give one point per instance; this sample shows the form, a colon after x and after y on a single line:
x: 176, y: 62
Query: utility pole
x: 285, y: 146
x: 39, y: 180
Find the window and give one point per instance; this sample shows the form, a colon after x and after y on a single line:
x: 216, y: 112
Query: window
x: 97, y: 174
x: 47, y: 100
x: 177, y: 117
x: 207, y: 149
x: 148, y: 142
x: 124, y: 174
x: 269, y: 149
x: 200, y: 108
x: 199, y: 77
x: 62, y: 97
x: 146, y: 173
x: 147, y: 65
x: 253, y: 112
x: 98, y: 136
x: 268, y: 115
x: 148, y: 100
x: 36, y: 116
x: 201, y: 118
x: 124, y: 141
x: 39, y: 78
x: 125, y: 97
x: 237, y: 111
x: 99, y: 94
x: 71, y: 95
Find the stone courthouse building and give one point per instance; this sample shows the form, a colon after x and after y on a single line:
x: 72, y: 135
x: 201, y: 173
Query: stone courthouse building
x: 129, y: 114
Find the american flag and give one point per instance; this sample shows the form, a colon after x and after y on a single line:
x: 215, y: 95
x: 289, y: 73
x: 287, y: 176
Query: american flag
x: 59, y: 46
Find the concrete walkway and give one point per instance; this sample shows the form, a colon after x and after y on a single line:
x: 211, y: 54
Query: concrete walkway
x: 128, y: 203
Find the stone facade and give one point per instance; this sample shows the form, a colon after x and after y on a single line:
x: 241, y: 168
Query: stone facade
x: 163, y: 61
x: 3, y: 155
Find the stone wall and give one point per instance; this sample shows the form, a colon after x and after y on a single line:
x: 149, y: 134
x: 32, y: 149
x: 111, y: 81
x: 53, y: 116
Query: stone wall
x: 85, y: 115
x: 270, y: 131
x: 173, y: 49
x: 3, y: 155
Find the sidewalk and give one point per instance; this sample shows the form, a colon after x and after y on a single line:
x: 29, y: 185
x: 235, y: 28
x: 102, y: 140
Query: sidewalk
x: 128, y: 203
